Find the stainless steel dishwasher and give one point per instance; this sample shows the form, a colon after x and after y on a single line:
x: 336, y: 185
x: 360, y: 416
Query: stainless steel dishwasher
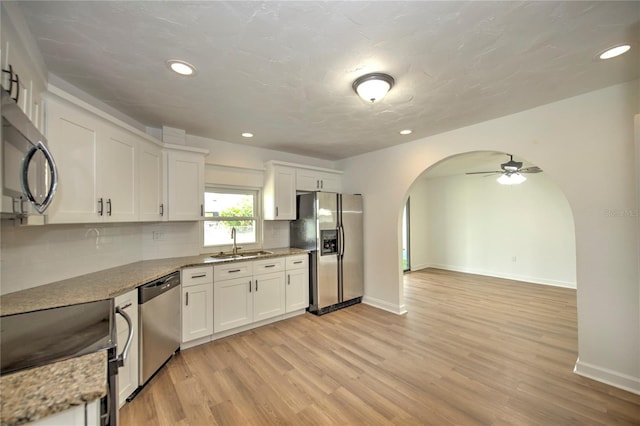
x: 160, y: 330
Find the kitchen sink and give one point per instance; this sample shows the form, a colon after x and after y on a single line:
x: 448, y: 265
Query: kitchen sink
x: 241, y: 255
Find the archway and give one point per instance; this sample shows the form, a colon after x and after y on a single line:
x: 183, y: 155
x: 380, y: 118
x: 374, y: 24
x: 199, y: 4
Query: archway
x: 471, y: 223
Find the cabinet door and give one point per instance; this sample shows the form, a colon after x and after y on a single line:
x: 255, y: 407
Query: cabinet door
x: 150, y: 182
x: 268, y: 295
x: 185, y: 180
x: 330, y: 182
x: 307, y: 180
x: 128, y: 374
x: 116, y: 174
x: 73, y: 139
x: 197, y: 311
x: 297, y: 290
x: 232, y: 303
x: 280, y: 193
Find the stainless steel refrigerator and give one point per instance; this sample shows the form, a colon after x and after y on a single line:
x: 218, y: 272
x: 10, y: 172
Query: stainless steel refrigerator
x: 330, y: 226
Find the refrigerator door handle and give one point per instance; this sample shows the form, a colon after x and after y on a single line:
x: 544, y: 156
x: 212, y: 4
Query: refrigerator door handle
x: 341, y: 241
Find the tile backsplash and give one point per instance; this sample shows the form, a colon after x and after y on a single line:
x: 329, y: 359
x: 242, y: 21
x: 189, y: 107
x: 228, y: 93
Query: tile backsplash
x: 35, y: 255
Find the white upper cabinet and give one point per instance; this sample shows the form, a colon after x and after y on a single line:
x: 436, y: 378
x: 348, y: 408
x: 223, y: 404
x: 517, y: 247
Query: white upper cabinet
x: 97, y: 164
x: 185, y: 185
x: 150, y: 181
x: 279, y: 192
x: 316, y: 180
x: 73, y: 140
x: 117, y: 175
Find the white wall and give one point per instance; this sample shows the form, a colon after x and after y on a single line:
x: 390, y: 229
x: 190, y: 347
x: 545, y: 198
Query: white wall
x: 473, y: 224
x: 585, y: 144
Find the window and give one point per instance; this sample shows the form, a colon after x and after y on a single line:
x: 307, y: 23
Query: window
x: 225, y: 209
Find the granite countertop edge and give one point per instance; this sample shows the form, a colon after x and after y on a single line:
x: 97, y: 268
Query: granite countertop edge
x: 112, y: 282
x: 33, y: 394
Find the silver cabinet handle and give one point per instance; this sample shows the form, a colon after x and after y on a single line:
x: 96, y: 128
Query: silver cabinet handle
x: 317, y: 184
x: 297, y: 262
x: 201, y: 209
x: 186, y: 296
x: 321, y: 184
x: 249, y: 286
x: 100, y: 207
x: 233, y: 271
x: 256, y: 285
x: 269, y: 266
x: 277, y: 212
x: 108, y: 206
x: 40, y: 207
x: 161, y: 209
x: 125, y: 306
x: 289, y: 279
x: 198, y: 276
x: 125, y: 352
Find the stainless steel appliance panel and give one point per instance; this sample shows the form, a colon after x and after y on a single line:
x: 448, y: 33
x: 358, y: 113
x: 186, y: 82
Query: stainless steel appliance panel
x: 160, y: 326
x: 351, y: 247
x: 29, y: 173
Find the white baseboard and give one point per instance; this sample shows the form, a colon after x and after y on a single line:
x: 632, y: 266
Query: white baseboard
x: 610, y: 377
x: 384, y: 305
x: 497, y: 274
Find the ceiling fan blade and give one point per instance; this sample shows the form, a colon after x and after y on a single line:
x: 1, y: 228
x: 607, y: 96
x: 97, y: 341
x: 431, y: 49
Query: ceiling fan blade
x: 532, y: 169
x: 484, y: 173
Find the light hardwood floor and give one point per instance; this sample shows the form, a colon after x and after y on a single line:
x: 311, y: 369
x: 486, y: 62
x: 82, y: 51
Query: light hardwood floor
x: 472, y: 350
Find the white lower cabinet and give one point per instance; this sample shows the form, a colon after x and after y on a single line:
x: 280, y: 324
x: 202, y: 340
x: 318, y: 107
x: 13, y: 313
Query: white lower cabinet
x: 197, y: 303
x: 87, y: 414
x: 297, y: 288
x: 128, y: 374
x: 247, y: 292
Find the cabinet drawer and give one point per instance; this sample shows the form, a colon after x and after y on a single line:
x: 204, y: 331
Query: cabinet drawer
x: 232, y: 270
x: 198, y: 275
x: 266, y: 266
x: 298, y: 262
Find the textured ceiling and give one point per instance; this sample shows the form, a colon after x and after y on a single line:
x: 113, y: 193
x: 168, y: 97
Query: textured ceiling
x: 283, y: 70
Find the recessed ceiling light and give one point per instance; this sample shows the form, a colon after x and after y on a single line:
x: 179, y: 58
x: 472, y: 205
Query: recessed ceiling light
x: 615, y: 51
x: 247, y: 135
x: 406, y: 132
x: 181, y: 67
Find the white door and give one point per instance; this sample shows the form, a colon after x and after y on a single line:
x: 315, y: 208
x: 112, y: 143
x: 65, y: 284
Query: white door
x: 73, y: 138
x: 232, y: 303
x: 150, y: 182
x: 197, y: 311
x: 268, y: 295
x: 117, y: 168
x: 186, y: 186
x: 297, y: 290
x: 285, y: 193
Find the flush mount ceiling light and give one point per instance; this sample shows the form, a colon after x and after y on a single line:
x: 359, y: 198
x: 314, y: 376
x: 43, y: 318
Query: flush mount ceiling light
x: 406, y: 132
x: 615, y: 51
x: 511, y: 179
x: 373, y: 87
x: 247, y: 135
x: 181, y: 67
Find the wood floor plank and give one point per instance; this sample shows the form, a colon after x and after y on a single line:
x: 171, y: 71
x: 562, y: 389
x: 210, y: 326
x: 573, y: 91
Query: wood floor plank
x: 472, y: 350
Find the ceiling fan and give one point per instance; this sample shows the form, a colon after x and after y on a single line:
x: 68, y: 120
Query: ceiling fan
x: 511, y: 172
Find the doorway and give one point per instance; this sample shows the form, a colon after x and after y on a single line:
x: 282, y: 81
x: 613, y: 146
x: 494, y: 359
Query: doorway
x: 406, y: 232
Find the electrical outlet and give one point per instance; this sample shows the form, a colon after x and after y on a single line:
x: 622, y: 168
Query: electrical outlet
x: 158, y: 236
x: 514, y: 259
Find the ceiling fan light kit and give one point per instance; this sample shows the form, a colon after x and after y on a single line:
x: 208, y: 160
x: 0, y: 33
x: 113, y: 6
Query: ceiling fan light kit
x: 511, y: 179
x: 373, y: 87
x: 511, y: 173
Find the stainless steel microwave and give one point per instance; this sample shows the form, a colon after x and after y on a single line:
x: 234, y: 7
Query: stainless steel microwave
x: 29, y: 173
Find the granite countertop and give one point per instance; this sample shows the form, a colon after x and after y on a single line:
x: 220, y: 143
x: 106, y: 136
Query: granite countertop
x: 35, y: 393
x: 32, y: 394
x: 110, y: 283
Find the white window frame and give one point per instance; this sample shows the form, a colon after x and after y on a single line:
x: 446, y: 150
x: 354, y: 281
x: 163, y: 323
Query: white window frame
x: 257, y: 216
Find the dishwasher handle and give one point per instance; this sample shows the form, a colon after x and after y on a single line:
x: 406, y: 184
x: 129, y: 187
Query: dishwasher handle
x: 125, y: 352
x: 157, y: 287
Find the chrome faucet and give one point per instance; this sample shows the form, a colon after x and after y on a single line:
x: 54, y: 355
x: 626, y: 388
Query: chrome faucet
x: 234, y: 250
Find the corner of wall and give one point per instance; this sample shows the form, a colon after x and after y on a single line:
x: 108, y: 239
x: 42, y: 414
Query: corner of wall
x: 610, y: 377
